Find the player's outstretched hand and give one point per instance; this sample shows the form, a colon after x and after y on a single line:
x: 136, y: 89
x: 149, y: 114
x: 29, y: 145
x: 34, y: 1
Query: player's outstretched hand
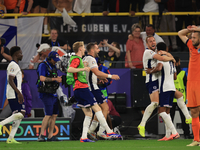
x: 115, y: 77
x: 87, y: 69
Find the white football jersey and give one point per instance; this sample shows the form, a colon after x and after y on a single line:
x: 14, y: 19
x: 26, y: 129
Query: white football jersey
x: 166, y: 77
x: 90, y: 76
x: 14, y: 70
x: 149, y: 62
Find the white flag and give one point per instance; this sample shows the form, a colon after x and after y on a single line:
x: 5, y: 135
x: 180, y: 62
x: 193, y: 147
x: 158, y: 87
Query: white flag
x: 22, y: 32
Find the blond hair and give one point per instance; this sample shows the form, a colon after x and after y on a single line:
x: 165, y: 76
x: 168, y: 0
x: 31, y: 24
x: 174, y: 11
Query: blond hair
x: 76, y: 46
x: 136, y: 25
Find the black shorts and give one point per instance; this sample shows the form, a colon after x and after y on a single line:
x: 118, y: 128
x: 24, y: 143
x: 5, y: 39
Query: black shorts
x: 41, y: 3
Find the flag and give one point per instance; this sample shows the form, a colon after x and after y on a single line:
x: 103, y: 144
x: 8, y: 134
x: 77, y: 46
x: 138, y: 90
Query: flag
x: 22, y: 32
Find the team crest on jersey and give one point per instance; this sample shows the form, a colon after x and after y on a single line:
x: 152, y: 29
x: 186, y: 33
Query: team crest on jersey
x: 154, y: 87
x: 151, y: 52
x: 93, y: 62
x: 12, y: 70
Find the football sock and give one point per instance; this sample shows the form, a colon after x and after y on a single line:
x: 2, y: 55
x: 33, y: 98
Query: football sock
x: 101, y: 129
x: 86, y: 124
x: 13, y: 117
x: 168, y: 122
x: 147, y: 113
x: 168, y: 131
x: 15, y: 126
x: 93, y: 125
x: 183, y: 107
x: 102, y: 121
x: 195, y: 128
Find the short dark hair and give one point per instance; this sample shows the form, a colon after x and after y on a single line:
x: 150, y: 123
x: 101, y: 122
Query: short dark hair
x: 14, y: 49
x: 176, y: 58
x: 161, y: 46
x: 90, y: 46
x: 150, y: 25
x: 117, y: 45
x: 198, y: 33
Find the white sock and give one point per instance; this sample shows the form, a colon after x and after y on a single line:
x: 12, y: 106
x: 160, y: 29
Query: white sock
x: 183, y: 107
x: 45, y: 27
x: 147, y: 113
x: 168, y: 121
x: 93, y: 125
x: 102, y: 121
x: 15, y: 126
x: 101, y: 129
x: 13, y: 117
x: 168, y: 131
x: 86, y: 124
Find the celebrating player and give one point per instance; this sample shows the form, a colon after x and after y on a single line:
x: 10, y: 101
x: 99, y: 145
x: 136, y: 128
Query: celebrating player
x: 149, y: 61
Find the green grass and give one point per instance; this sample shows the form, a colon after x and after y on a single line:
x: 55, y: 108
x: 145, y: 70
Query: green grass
x: 102, y: 145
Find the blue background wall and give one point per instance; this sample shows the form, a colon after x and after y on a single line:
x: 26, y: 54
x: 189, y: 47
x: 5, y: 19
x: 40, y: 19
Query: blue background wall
x: 121, y: 86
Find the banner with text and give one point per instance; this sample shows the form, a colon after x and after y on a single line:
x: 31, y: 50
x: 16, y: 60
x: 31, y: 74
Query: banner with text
x: 95, y: 29
x: 29, y: 129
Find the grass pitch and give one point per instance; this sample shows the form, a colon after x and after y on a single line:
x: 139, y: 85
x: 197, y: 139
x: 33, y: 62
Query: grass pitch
x: 102, y: 145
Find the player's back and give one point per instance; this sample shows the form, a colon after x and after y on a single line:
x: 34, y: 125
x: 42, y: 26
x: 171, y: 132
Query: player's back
x: 166, y: 77
x: 90, y: 76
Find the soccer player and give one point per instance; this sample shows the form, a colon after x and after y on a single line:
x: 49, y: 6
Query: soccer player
x: 91, y: 78
x: 193, y: 80
x: 82, y: 94
x: 166, y: 75
x: 150, y: 58
x: 14, y: 94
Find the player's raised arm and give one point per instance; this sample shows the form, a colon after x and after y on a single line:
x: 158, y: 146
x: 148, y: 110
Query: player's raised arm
x: 183, y: 33
x: 101, y: 74
x: 74, y: 70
